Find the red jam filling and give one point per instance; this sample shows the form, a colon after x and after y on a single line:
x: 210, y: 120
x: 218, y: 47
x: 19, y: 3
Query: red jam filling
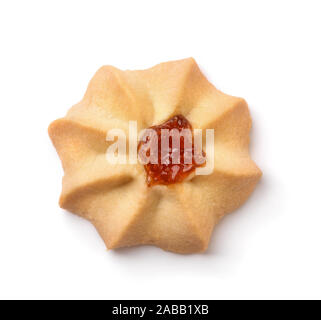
x: 170, y: 172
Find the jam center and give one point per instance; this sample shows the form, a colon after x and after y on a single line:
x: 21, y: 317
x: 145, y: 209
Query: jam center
x: 172, y: 163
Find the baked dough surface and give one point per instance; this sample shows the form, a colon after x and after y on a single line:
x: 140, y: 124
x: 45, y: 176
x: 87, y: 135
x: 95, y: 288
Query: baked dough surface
x: 116, y: 198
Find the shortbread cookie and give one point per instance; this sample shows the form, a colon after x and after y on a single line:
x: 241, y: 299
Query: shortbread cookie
x: 136, y: 204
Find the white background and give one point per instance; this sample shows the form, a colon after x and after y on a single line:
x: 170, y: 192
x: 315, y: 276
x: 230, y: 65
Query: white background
x: 268, y: 52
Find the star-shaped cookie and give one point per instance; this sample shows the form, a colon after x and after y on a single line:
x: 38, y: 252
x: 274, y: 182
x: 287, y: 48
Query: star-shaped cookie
x: 115, y: 197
